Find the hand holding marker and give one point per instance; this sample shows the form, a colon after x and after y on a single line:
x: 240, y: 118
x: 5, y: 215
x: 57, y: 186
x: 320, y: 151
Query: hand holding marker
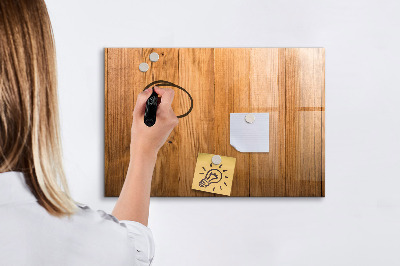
x: 153, y: 101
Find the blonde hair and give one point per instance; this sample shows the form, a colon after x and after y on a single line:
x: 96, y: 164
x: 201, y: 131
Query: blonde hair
x: 29, y: 122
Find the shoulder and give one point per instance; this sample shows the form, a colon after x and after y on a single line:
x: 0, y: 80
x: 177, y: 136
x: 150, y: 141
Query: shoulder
x: 90, y: 237
x: 131, y: 234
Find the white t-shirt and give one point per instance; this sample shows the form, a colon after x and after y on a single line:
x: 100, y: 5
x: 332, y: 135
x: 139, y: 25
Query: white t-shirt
x: 31, y: 236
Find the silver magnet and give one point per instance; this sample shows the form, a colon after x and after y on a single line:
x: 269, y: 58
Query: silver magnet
x: 154, y: 57
x: 250, y: 118
x: 143, y: 67
x: 216, y: 159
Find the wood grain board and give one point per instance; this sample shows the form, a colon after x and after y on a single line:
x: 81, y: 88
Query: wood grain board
x: 288, y: 83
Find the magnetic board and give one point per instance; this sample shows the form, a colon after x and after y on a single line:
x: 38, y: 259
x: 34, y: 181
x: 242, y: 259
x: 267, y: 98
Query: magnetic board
x: 287, y: 83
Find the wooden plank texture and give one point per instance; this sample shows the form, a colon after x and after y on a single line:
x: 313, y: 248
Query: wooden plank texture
x: 166, y: 68
x: 304, y: 112
x: 196, y: 131
x: 232, y: 90
x: 267, y: 176
x: 119, y: 97
x: 288, y: 83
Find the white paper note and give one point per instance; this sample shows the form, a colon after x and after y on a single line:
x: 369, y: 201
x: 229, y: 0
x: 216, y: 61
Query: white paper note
x: 249, y: 137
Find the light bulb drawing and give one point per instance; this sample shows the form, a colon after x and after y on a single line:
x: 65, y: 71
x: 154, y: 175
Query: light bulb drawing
x: 214, y: 175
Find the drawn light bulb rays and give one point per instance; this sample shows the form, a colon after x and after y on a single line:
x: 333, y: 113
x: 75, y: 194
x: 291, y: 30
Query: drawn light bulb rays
x: 214, y: 175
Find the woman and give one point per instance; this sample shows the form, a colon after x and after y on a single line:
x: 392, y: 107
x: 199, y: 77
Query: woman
x: 39, y: 222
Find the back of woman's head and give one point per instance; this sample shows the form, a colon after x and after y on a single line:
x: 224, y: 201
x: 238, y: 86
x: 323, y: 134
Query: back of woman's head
x: 29, y: 124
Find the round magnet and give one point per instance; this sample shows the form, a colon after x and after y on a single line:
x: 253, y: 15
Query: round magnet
x: 143, y: 67
x: 154, y: 57
x: 216, y: 159
x: 250, y: 118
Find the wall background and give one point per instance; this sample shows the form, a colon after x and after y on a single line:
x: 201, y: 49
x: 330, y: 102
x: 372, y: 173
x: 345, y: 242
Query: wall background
x: 358, y: 221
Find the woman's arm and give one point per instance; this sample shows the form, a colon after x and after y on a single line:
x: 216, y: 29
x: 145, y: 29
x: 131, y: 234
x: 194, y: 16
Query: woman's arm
x: 133, y: 202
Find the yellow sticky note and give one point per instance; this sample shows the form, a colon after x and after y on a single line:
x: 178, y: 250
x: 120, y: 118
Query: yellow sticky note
x: 214, y: 178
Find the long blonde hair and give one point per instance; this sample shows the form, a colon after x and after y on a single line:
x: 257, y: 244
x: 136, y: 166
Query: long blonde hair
x: 29, y: 122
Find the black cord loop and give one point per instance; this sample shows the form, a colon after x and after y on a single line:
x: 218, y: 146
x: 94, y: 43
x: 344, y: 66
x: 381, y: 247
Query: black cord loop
x: 170, y: 84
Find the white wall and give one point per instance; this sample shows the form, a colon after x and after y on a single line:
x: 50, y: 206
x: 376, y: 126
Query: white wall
x: 358, y: 221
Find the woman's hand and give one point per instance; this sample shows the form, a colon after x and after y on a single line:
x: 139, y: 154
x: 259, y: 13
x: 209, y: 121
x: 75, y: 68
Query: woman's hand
x: 148, y: 140
x: 133, y: 202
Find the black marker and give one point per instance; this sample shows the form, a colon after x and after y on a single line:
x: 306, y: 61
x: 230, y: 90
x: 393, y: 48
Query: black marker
x: 151, y: 109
